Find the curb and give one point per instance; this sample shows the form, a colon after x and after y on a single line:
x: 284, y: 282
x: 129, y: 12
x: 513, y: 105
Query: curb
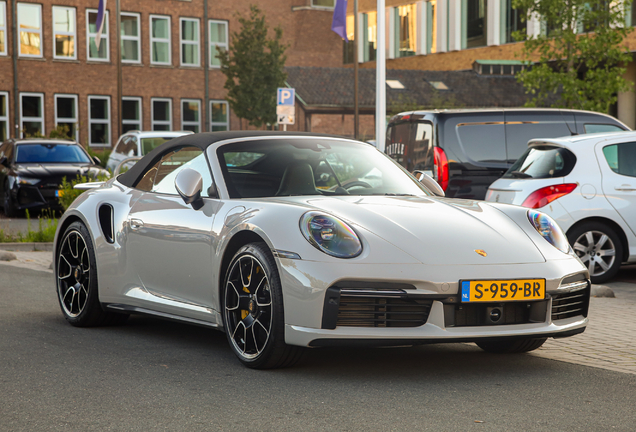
x: 27, y: 247
x: 602, y: 291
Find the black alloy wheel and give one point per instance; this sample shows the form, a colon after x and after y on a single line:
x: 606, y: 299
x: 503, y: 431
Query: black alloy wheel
x: 253, y: 310
x: 76, y: 273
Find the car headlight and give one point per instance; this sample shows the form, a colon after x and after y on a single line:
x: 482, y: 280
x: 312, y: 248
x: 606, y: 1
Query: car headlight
x: 549, y: 230
x: 330, y: 235
x: 26, y: 180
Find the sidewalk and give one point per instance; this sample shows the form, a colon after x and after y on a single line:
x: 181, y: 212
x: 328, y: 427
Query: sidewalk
x: 609, y: 342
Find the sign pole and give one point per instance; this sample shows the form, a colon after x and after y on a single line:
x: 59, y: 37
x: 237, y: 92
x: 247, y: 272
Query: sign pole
x: 380, y: 79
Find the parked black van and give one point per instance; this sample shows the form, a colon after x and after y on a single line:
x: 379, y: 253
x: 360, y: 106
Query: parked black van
x: 466, y: 150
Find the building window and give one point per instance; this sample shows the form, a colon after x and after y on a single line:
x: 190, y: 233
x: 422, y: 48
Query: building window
x: 66, y: 113
x: 330, y: 4
x: 160, y: 52
x: 131, y: 114
x: 219, y: 116
x: 189, y: 41
x: 431, y: 26
x: 31, y: 114
x: 513, y: 20
x: 94, y: 54
x: 161, y: 114
x: 3, y: 28
x: 218, y: 40
x: 30, y: 28
x: 64, y: 33
x: 474, y: 23
x: 369, y: 36
x: 99, y: 120
x: 348, y: 47
x: 405, y: 30
x: 191, y: 115
x: 4, y: 116
x: 130, y: 38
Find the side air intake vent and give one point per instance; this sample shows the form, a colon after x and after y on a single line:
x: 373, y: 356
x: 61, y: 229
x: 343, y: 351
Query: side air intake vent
x: 106, y: 222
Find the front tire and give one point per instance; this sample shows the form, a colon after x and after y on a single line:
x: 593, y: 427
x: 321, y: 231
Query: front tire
x: 253, y: 313
x: 600, y: 249
x: 76, y: 275
x: 511, y: 346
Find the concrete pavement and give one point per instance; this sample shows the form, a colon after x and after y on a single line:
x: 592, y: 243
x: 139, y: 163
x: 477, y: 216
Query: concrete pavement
x: 609, y: 341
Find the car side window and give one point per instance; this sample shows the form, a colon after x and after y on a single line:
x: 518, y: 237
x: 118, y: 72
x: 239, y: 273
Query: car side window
x: 621, y: 158
x: 596, y: 128
x: 119, y: 148
x: 161, y: 176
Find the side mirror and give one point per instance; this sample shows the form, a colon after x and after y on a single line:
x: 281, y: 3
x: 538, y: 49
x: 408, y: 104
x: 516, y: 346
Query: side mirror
x: 189, y: 185
x: 97, y: 160
x: 429, y: 182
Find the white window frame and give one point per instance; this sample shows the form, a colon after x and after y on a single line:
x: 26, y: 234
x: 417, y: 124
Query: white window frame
x: 183, y: 42
x: 105, y: 39
x: 212, y: 45
x: 59, y: 120
x: 5, y: 119
x: 92, y: 121
x: 39, y: 32
x: 32, y: 119
x: 154, y: 122
x: 73, y: 33
x: 155, y: 39
x: 3, y: 28
x: 132, y: 38
x: 313, y: 6
x: 226, y: 123
x: 185, y: 123
x: 141, y: 118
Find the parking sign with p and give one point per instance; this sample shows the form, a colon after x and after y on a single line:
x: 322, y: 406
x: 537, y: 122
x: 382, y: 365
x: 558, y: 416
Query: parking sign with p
x: 285, y: 96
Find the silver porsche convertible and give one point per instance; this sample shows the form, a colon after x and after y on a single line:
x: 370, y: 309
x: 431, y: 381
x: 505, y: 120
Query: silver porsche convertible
x: 285, y: 241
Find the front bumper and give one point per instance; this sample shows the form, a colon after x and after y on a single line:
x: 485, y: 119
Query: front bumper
x: 307, y: 286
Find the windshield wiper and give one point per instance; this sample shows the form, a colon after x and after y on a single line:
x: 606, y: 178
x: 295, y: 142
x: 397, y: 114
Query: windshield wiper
x: 519, y: 174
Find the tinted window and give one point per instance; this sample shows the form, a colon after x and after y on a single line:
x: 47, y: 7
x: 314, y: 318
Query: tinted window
x: 149, y: 144
x: 50, y: 153
x: 523, y: 126
x: 161, y: 176
x: 596, y: 128
x: 483, y: 141
x: 621, y: 158
x: 411, y: 145
x: 543, y: 162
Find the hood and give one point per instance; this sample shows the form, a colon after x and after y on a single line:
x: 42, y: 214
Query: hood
x: 437, y: 231
x: 56, y: 171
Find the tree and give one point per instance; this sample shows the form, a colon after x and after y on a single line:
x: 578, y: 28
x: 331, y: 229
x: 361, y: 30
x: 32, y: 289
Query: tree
x: 581, y: 54
x: 254, y: 69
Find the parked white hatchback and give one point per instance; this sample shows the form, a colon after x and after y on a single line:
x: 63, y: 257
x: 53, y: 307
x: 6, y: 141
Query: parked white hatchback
x: 588, y: 185
x: 136, y: 143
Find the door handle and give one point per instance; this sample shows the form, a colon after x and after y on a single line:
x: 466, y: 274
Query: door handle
x: 625, y: 188
x: 135, y: 224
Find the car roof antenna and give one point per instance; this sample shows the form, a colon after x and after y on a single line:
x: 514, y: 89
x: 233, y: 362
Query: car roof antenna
x: 566, y: 123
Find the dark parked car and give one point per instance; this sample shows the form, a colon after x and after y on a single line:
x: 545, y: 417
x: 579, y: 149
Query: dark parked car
x: 466, y: 150
x: 31, y: 171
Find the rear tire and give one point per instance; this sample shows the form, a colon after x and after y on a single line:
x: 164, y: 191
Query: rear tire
x: 253, y: 314
x: 511, y: 346
x: 600, y: 249
x: 76, y: 275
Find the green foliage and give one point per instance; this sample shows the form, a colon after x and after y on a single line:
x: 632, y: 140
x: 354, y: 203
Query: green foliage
x: 101, y: 154
x: 68, y: 193
x: 47, y: 225
x: 581, y: 53
x: 60, y: 132
x: 254, y: 69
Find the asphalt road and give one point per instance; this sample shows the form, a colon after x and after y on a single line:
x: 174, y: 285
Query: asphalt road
x: 158, y: 375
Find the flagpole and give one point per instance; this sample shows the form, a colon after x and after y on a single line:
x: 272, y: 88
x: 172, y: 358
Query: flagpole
x: 119, y: 75
x: 380, y: 81
x: 356, y: 113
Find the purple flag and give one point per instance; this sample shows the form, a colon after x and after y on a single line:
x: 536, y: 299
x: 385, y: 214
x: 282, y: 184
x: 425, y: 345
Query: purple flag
x: 339, y: 23
x: 99, y: 22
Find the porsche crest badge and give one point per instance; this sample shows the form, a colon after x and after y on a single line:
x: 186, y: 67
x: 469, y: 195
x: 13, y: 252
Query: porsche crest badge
x: 481, y: 252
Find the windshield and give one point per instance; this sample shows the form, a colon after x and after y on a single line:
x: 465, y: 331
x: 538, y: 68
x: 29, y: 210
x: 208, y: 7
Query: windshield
x: 50, y: 153
x: 543, y: 162
x: 149, y: 144
x: 311, y: 166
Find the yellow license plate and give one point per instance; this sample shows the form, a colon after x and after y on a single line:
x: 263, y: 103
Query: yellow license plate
x: 59, y: 193
x: 502, y: 290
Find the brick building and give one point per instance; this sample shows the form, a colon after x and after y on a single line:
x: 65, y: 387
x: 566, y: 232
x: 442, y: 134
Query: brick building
x: 59, y: 77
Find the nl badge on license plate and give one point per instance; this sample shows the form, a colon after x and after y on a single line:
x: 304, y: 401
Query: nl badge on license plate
x: 502, y: 290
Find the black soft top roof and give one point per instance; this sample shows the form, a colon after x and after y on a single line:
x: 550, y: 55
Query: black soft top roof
x: 202, y: 141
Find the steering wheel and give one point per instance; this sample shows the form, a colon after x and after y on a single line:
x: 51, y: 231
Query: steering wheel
x: 356, y: 183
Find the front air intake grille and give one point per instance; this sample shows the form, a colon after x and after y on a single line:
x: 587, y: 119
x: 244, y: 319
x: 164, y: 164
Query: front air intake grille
x: 355, y: 311
x: 392, y: 307
x: 571, y: 304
